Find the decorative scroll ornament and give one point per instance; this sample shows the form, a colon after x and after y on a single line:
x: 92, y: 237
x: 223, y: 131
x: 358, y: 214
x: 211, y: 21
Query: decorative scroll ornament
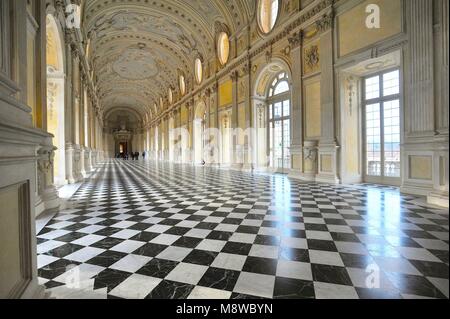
x: 261, y: 108
x: 312, y: 57
x: 310, y: 154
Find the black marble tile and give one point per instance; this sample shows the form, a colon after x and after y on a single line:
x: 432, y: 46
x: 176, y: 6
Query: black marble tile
x: 158, y: 268
x: 145, y: 236
x: 287, y: 288
x: 56, y: 268
x: 373, y: 293
x: 70, y: 237
x: 180, y: 231
x: 356, y: 261
x: 237, y: 248
x: 150, y: 250
x: 414, y: 285
x: 64, y: 250
x: 171, y: 290
x: 188, y: 242
x: 106, y: 259
x: 325, y: 245
x: 294, y: 254
x: 110, y: 279
x: 221, y: 279
x: 201, y: 257
x: 260, y: 265
x: 331, y: 274
x: 267, y: 240
x: 107, y: 243
x: 108, y: 231
x: 431, y: 269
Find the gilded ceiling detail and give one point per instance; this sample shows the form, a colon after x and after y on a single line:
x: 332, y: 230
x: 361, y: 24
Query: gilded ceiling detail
x: 139, y: 47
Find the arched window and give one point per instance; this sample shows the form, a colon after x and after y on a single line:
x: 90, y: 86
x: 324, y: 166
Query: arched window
x: 267, y: 15
x: 198, y: 71
x: 279, y: 127
x: 279, y: 85
x: 223, y: 48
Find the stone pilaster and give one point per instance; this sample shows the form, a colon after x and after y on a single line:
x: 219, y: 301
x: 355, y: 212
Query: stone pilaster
x: 234, y: 158
x: 327, y: 152
x: 296, y: 148
x: 47, y: 195
x: 248, y: 146
x: 425, y: 149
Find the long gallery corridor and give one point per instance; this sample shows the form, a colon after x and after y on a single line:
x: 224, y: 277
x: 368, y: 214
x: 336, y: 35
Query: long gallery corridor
x: 224, y: 149
x: 151, y: 230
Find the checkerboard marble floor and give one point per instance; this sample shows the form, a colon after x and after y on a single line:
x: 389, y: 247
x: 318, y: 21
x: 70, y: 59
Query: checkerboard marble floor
x: 154, y: 230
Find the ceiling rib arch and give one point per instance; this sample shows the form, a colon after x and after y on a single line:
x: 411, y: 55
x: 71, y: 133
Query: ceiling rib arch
x: 140, y: 47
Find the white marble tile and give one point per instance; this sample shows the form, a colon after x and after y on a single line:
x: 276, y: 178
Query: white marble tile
x: 128, y: 246
x: 187, y: 273
x: 131, y: 263
x: 136, y: 287
x: 255, y: 285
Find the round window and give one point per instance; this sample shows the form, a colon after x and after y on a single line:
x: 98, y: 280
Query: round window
x: 267, y: 14
x: 223, y: 48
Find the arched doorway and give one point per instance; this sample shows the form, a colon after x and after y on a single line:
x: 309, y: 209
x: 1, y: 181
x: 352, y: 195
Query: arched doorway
x: 55, y: 96
x: 199, y: 132
x: 272, y: 118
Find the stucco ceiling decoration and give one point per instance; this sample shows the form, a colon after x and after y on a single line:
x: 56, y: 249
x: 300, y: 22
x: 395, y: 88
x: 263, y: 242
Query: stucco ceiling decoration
x: 138, y: 47
x: 136, y: 64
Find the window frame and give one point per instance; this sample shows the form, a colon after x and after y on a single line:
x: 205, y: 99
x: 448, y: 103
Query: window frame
x: 222, y: 61
x: 273, y: 99
x: 198, y: 67
x: 258, y: 18
x: 381, y: 100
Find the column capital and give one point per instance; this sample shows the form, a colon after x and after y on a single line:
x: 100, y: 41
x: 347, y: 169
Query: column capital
x: 295, y: 40
x: 234, y: 76
x: 325, y: 23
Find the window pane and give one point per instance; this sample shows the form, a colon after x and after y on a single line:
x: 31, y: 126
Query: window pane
x: 286, y: 143
x: 372, y: 88
x: 281, y: 87
x: 391, y: 83
x: 286, y: 108
x: 373, y: 143
x: 278, y: 152
x: 392, y: 138
x: 277, y: 109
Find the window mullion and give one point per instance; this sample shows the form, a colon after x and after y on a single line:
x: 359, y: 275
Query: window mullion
x: 382, y: 148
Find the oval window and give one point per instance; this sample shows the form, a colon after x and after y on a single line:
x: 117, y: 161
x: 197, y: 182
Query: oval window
x: 198, y: 71
x: 267, y: 14
x: 223, y: 48
x: 170, y: 96
x: 182, y: 85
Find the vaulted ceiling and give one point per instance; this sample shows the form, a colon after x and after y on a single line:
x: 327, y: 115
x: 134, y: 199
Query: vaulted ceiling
x: 138, y: 48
